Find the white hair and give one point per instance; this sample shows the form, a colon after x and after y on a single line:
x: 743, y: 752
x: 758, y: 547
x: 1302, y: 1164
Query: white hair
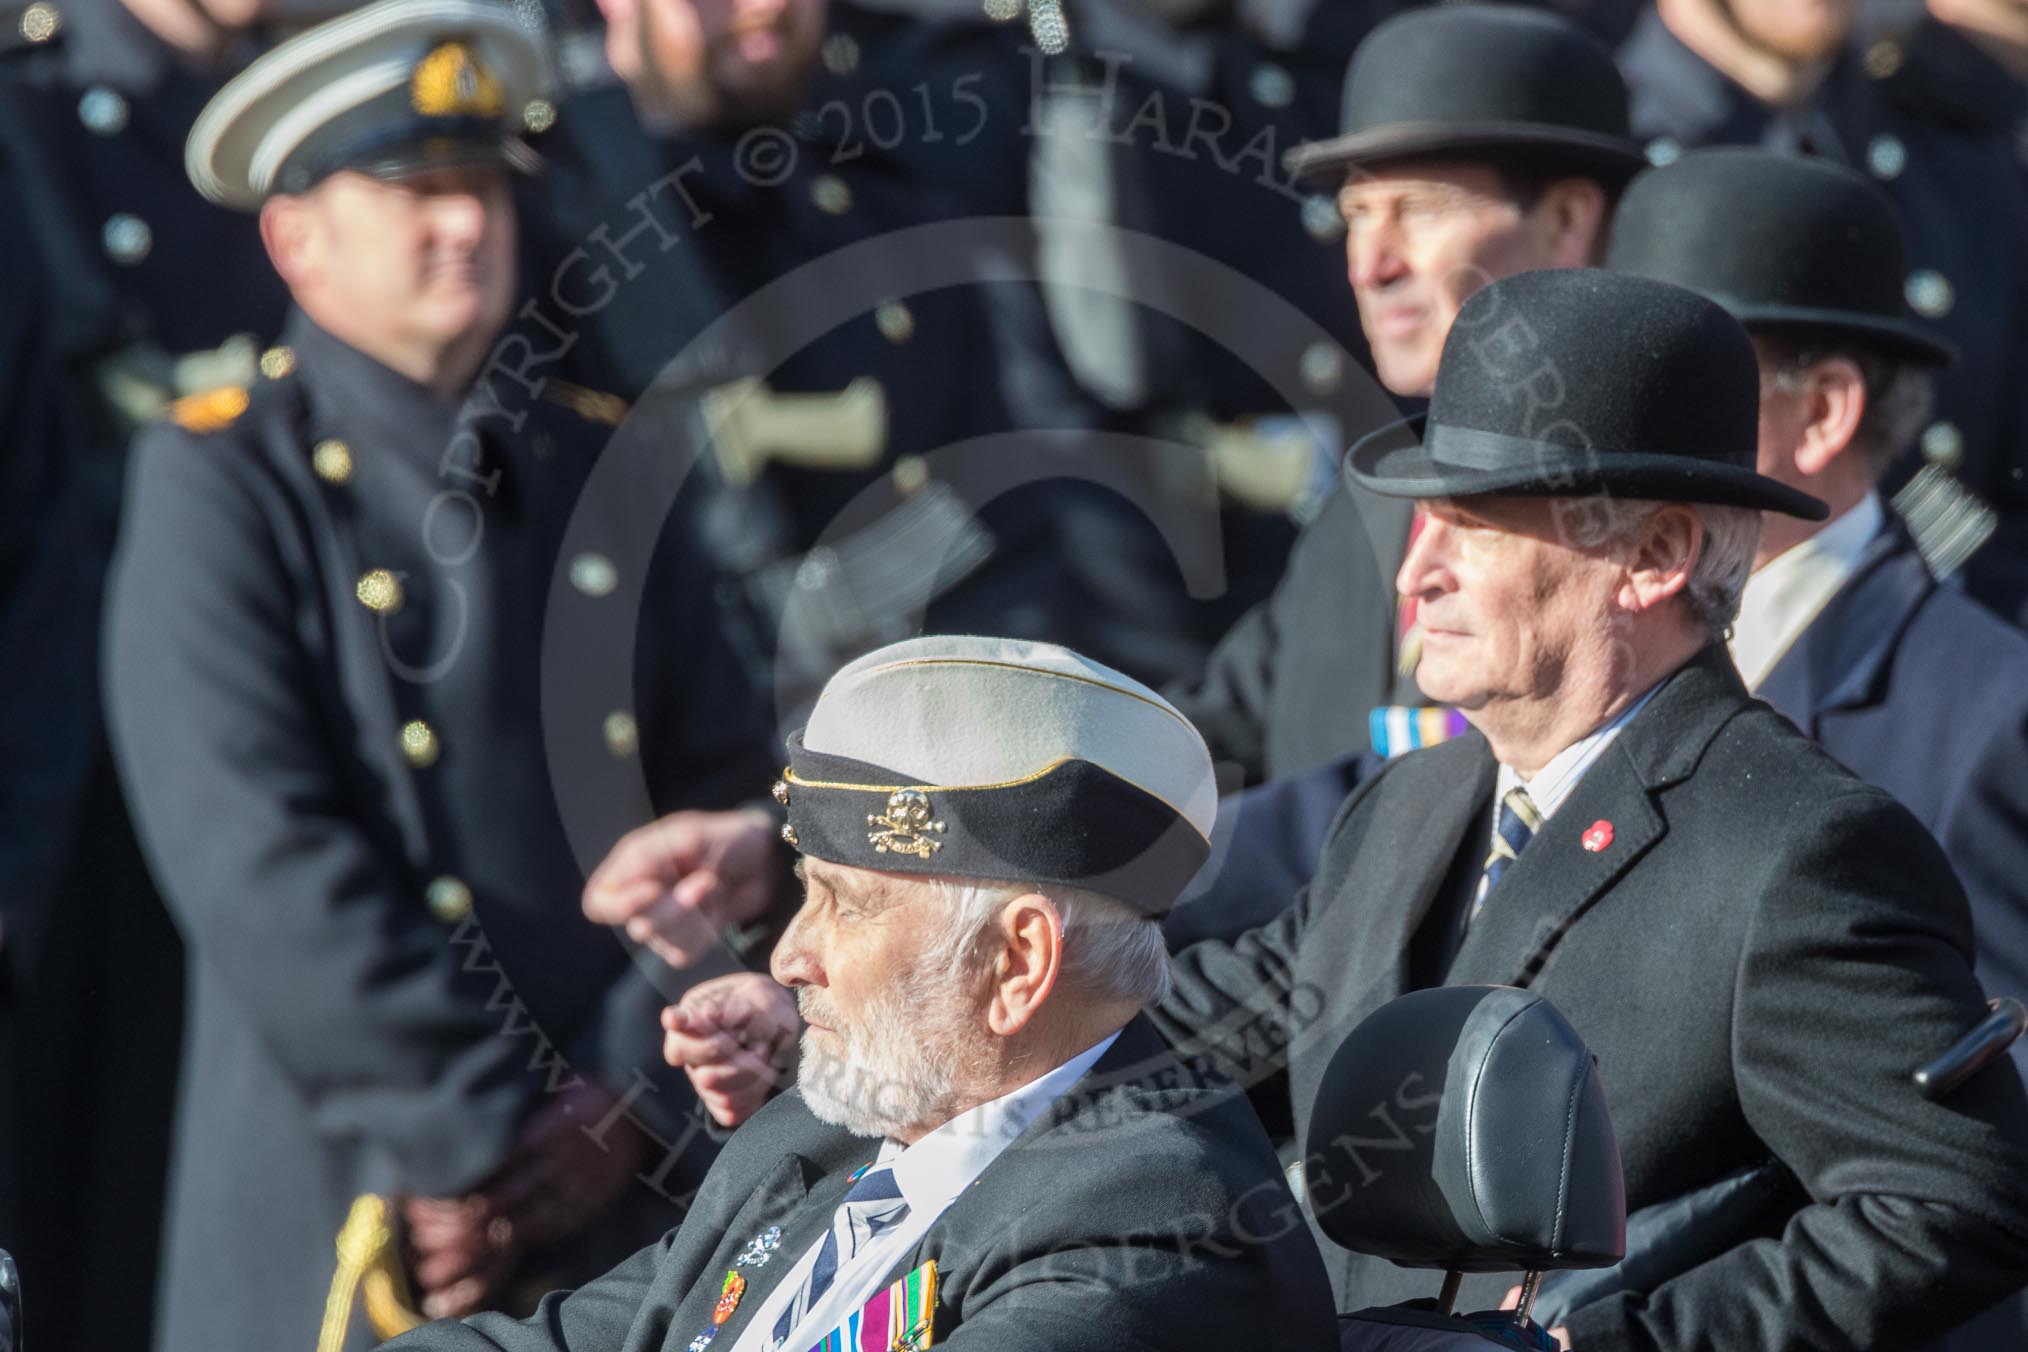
x: 1109, y: 948
x: 1724, y: 557
x: 1724, y: 562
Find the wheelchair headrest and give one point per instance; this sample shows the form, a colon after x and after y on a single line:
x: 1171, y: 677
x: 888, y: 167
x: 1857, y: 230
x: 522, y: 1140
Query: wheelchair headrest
x: 1465, y: 1128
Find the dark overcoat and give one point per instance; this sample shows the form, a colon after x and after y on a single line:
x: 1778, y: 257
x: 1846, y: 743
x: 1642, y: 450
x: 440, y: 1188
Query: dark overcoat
x: 1760, y: 950
x: 1146, y: 1209
x: 332, y: 708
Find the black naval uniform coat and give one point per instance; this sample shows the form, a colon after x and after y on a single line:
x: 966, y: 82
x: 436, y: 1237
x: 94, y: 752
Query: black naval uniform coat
x: 1145, y: 1210
x: 354, y: 816
x: 1759, y: 955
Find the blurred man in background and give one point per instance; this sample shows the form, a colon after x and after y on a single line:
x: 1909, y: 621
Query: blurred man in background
x: 1929, y: 104
x: 327, y: 690
x: 1478, y: 141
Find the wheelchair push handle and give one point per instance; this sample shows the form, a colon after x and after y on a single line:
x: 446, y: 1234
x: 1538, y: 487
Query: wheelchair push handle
x: 1975, y: 1050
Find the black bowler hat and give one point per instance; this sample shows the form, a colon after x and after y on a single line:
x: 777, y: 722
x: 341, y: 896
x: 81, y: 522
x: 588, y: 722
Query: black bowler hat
x: 1576, y: 382
x: 1484, y: 82
x: 1777, y: 240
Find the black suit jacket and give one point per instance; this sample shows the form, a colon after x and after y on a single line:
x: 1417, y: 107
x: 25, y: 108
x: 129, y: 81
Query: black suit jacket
x: 1924, y: 692
x: 1759, y: 958
x: 1145, y: 1210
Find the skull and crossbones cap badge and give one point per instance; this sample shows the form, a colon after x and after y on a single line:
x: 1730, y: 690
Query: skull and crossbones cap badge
x: 1002, y: 759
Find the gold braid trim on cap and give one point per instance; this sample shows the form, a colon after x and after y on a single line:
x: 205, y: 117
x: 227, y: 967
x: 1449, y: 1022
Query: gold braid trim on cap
x: 790, y: 779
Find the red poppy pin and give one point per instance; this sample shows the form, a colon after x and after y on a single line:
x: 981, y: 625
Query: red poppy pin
x: 1598, y: 835
x: 728, y: 1297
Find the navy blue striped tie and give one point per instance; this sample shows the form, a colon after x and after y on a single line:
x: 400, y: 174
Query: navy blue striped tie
x: 872, y: 1204
x: 1519, y: 821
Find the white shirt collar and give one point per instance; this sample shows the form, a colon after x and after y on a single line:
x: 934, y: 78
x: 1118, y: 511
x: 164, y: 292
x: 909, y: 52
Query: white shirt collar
x: 1549, y: 786
x: 948, y: 1160
x: 1787, y: 592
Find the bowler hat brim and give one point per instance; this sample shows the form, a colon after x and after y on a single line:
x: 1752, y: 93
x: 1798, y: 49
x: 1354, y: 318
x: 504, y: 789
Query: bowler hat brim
x: 1895, y: 337
x: 1612, y: 160
x: 1463, y: 462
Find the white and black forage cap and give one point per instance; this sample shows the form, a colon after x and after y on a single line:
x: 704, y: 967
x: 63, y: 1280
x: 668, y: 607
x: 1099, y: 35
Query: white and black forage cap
x: 998, y: 758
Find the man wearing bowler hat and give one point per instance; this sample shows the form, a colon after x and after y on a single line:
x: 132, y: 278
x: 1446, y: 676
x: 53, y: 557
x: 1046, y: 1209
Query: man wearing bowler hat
x: 1479, y: 141
x: 988, y: 1145
x: 1842, y: 627
x: 1759, y: 947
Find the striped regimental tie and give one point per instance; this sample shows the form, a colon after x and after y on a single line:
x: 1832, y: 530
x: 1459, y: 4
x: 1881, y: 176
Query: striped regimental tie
x: 1520, y: 819
x: 873, y: 1204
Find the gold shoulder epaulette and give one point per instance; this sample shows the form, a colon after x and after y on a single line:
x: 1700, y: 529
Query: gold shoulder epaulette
x: 210, y: 410
x: 591, y: 405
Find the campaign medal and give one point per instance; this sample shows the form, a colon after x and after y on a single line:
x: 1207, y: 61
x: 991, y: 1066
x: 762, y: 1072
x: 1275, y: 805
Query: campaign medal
x: 760, y: 1248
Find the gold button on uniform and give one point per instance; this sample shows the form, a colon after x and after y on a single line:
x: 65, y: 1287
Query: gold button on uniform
x: 539, y: 115
x: 277, y: 362
x: 332, y: 459
x: 1886, y: 156
x: 103, y: 111
x: 841, y: 54
x: 1321, y: 219
x: 379, y: 591
x: 623, y: 735
x: 594, y: 574
x: 1322, y: 368
x: 830, y: 194
x: 127, y: 238
x: 1930, y: 293
x: 40, y: 21
x: 419, y: 743
x: 911, y: 474
x: 895, y: 322
x: 1943, y: 445
x: 1271, y: 86
x: 1883, y: 58
x: 449, y: 899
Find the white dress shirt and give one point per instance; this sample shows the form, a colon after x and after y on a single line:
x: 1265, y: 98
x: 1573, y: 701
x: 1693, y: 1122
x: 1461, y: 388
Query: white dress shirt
x: 931, y: 1173
x: 1786, y: 593
x: 1554, y: 782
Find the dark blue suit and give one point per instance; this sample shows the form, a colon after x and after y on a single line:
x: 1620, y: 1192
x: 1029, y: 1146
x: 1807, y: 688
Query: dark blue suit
x: 1923, y: 692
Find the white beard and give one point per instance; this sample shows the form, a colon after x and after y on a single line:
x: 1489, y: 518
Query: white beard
x: 900, y: 1061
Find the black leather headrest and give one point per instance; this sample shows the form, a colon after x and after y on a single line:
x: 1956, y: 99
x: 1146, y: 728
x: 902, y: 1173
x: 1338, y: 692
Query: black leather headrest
x: 1465, y: 1127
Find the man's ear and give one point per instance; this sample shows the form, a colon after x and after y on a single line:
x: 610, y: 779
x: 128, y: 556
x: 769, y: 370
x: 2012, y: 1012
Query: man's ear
x: 1836, y: 403
x: 1662, y: 558
x: 1571, y: 212
x: 286, y: 231
x: 1028, y: 963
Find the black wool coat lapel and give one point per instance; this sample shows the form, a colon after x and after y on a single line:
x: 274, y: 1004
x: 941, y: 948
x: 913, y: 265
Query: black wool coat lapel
x: 1558, y: 877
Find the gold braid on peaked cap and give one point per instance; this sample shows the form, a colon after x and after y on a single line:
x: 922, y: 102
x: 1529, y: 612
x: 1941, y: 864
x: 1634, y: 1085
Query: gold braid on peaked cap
x: 998, y: 758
